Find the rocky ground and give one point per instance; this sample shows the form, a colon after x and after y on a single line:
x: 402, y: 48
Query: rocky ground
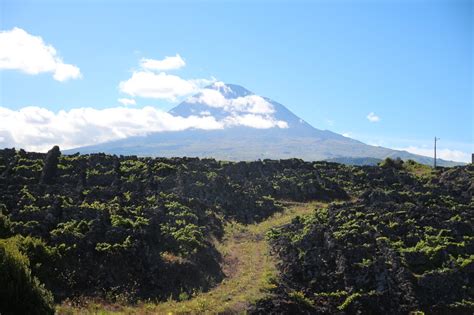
x: 119, y: 230
x: 405, y: 244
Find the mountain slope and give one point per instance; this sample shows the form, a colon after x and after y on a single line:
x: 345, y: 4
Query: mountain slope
x: 252, y: 127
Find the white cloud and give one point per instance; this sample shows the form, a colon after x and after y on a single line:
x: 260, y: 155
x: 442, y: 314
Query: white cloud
x: 127, y: 101
x: 209, y: 97
x: 222, y: 87
x: 151, y: 80
x: 37, y: 129
x: 255, y: 121
x: 347, y: 134
x: 169, y: 63
x: 445, y: 154
x: 65, y: 72
x: 251, y: 104
x: 245, y: 104
x: 250, y: 110
x: 372, y: 117
x: 30, y: 54
x: 160, y: 85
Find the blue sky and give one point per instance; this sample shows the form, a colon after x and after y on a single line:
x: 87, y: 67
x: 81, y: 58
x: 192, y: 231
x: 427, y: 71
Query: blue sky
x: 330, y: 62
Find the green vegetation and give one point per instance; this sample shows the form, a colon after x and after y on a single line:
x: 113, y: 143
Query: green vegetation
x: 162, y: 219
x: 350, y: 299
x: 20, y: 292
x: 405, y: 244
x: 250, y: 273
x: 417, y: 169
x: 102, y: 233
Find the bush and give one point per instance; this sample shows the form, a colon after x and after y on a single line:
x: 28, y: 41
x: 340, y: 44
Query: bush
x: 392, y: 163
x: 20, y: 292
x: 5, y: 225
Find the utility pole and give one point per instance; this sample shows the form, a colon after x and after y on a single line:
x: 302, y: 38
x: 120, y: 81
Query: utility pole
x: 435, y: 139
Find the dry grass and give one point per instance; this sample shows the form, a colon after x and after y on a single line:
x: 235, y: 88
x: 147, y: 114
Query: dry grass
x: 249, y: 268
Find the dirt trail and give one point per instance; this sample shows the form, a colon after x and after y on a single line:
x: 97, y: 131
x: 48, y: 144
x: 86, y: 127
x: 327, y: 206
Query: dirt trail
x: 247, y: 264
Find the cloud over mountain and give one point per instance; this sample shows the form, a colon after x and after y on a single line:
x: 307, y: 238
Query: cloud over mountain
x: 248, y: 110
x: 247, y: 104
x: 35, y: 128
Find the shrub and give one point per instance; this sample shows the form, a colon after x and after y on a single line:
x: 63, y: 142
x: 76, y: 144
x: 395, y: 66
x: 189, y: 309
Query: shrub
x: 5, y: 225
x: 351, y: 298
x: 20, y: 292
x: 391, y: 163
x: 300, y: 298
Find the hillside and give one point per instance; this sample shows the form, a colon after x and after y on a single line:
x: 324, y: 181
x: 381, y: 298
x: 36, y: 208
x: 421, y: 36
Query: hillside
x: 117, y: 231
x: 247, y: 127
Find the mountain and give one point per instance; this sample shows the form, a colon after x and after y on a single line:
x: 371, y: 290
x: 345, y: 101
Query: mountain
x: 248, y: 127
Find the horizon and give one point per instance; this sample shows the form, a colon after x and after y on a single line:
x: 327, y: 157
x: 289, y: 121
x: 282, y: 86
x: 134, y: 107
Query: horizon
x: 389, y: 74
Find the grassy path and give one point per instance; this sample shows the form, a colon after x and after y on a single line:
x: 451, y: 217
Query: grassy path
x: 247, y: 264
